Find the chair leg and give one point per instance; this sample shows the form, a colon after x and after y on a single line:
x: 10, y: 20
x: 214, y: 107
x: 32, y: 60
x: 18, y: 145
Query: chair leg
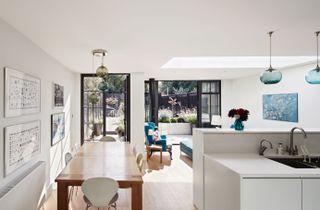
x: 77, y: 190
x: 160, y: 156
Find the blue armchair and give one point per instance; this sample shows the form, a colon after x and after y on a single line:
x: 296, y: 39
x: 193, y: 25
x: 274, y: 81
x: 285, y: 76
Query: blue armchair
x: 161, y: 142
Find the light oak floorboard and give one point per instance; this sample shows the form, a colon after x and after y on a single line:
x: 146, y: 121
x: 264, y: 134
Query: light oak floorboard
x: 167, y: 186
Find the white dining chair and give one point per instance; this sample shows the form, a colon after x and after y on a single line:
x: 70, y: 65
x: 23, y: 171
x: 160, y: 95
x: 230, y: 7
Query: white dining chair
x: 107, y: 139
x: 100, y: 192
x: 67, y: 159
x: 139, y: 160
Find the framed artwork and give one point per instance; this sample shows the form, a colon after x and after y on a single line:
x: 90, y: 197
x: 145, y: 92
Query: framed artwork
x: 58, y: 95
x: 281, y: 107
x: 22, y: 93
x: 57, y: 127
x: 22, y: 144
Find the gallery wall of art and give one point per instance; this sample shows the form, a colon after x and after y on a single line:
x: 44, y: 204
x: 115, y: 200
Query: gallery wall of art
x: 249, y: 93
x: 46, y: 113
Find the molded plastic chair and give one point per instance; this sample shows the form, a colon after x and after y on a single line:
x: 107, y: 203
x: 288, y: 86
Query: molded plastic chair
x: 100, y: 192
x: 67, y: 159
x: 139, y: 160
x: 107, y: 138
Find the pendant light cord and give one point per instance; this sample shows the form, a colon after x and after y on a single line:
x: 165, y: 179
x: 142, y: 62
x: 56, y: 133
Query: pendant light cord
x: 270, y: 46
x: 317, y: 34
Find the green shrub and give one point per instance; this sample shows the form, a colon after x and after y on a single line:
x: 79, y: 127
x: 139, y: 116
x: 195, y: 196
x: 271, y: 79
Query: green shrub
x: 180, y: 120
x: 192, y: 119
x: 173, y: 120
x: 164, y: 120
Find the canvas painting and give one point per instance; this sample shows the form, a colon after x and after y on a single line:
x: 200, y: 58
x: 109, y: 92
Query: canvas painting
x: 58, y: 95
x: 22, y: 143
x: 57, y: 128
x: 22, y: 93
x: 281, y: 107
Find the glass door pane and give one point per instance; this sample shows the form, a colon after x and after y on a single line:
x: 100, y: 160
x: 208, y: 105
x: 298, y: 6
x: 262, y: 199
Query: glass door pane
x: 205, y: 108
x: 215, y: 104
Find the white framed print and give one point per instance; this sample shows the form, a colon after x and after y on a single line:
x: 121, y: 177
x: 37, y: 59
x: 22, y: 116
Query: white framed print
x: 22, y: 144
x: 22, y: 93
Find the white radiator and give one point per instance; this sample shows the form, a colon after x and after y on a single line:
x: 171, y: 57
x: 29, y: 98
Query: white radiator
x: 24, y: 192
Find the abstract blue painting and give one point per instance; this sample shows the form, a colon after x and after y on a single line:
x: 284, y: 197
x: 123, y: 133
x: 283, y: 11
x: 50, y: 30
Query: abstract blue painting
x: 281, y: 107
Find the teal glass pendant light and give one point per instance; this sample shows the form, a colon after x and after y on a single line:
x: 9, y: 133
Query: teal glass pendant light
x: 313, y: 76
x: 271, y: 75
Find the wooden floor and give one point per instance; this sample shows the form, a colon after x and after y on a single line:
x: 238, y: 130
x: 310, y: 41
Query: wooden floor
x: 167, y: 186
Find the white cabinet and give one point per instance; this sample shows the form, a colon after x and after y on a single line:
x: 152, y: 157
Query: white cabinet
x: 311, y: 194
x: 271, y: 193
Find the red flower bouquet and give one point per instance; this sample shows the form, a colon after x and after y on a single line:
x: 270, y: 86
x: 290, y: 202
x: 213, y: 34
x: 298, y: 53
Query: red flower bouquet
x: 241, y: 114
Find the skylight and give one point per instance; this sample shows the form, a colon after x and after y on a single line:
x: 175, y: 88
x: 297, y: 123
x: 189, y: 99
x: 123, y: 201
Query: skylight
x: 235, y: 62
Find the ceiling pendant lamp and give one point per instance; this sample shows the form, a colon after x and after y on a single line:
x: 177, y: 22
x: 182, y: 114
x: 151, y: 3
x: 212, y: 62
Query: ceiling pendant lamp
x: 270, y: 76
x: 101, y: 71
x: 313, y: 76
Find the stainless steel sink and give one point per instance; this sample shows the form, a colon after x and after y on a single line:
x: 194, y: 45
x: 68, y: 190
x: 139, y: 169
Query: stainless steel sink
x: 297, y: 162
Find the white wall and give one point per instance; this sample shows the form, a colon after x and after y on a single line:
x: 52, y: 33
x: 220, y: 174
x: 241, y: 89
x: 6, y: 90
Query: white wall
x: 19, y: 53
x: 137, y: 109
x: 247, y: 93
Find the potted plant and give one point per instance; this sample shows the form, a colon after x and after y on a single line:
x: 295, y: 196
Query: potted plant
x: 192, y: 119
x: 120, y: 128
x: 97, y: 128
x: 240, y: 115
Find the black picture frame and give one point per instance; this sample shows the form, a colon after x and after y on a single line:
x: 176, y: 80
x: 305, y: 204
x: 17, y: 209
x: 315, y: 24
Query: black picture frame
x: 58, y: 95
x: 58, y: 129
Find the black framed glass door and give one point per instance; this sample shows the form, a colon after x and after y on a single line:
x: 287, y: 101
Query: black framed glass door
x: 105, y: 113
x: 209, y: 97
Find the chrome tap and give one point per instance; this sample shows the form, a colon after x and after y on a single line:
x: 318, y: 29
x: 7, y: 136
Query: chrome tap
x: 263, y: 148
x: 292, y: 150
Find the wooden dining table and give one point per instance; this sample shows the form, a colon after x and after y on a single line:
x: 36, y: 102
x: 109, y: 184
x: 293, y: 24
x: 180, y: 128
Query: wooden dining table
x: 102, y: 159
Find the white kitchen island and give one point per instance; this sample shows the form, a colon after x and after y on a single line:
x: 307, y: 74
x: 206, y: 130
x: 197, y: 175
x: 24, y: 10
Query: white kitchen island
x: 251, y: 182
x: 211, y: 144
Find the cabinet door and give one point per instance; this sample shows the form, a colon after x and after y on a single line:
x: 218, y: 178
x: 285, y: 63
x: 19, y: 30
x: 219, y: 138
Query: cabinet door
x: 311, y: 194
x: 271, y: 194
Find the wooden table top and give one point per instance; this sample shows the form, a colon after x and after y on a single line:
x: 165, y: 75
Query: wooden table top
x: 102, y: 159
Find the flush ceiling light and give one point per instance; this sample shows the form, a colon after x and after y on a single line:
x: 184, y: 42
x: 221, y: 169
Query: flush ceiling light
x: 313, y: 76
x: 270, y: 76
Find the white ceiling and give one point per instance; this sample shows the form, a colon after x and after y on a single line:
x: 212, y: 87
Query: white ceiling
x: 142, y: 35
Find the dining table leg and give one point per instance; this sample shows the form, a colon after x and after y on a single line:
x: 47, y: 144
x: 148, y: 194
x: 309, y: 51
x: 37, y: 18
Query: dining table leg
x: 136, y: 196
x: 62, y: 196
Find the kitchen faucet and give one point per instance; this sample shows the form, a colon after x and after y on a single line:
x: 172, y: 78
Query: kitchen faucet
x: 293, y: 151
x: 263, y: 148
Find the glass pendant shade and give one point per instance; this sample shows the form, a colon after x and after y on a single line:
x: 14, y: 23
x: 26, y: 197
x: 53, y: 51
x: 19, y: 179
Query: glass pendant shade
x: 313, y: 76
x: 271, y: 76
x: 102, y: 71
x: 103, y: 86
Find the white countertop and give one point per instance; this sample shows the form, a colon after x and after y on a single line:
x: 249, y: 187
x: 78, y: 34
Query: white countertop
x: 253, y: 165
x: 252, y: 130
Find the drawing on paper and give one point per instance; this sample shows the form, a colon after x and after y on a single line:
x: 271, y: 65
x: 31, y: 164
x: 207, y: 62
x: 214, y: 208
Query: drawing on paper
x: 281, y: 107
x: 22, y: 143
x: 57, y: 128
x: 22, y: 93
